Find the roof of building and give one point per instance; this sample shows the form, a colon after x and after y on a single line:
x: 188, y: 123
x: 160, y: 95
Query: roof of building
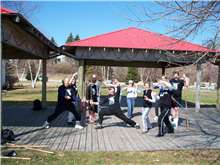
x: 28, y: 26
x: 138, y: 39
x: 6, y: 11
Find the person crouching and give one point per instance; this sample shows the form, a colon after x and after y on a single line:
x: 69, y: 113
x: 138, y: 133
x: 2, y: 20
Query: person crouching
x: 114, y: 108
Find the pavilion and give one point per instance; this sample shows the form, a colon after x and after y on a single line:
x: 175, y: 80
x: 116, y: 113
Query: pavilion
x: 126, y: 47
x: 21, y: 40
x: 138, y: 48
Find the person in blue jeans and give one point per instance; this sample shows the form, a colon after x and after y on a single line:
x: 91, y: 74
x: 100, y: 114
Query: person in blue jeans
x: 131, y: 96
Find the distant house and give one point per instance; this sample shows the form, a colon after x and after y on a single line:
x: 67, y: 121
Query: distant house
x: 60, y: 59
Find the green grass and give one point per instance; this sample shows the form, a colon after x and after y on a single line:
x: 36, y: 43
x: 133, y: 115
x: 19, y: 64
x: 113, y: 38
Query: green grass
x: 95, y: 158
x: 208, y: 97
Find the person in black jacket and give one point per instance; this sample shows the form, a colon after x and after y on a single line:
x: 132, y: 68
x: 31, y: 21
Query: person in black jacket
x: 92, y: 94
x: 178, y: 84
x: 149, y: 97
x: 165, y: 106
x: 65, y: 102
x: 76, y: 98
x: 114, y: 108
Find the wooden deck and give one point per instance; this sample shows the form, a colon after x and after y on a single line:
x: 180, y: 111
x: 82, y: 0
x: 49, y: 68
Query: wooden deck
x: 204, y: 132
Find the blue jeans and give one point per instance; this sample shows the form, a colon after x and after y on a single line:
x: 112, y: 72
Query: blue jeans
x: 130, y: 103
x: 145, y: 119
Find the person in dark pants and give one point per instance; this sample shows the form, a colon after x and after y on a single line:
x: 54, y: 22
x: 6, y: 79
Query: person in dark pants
x: 92, y: 96
x: 76, y: 98
x: 65, y: 102
x: 165, y: 106
x: 178, y: 84
x: 114, y: 108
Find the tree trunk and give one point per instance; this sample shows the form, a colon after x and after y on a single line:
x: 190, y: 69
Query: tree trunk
x: 198, y: 81
x: 218, y: 90
x: 37, y: 74
x: 34, y: 80
x: 142, y: 74
x: 30, y: 70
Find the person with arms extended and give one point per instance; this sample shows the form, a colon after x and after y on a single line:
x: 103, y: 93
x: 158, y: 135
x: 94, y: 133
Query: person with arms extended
x: 165, y: 106
x: 177, y: 84
x: 131, y: 96
x: 76, y: 98
x: 113, y: 108
x: 65, y: 102
x: 91, y: 97
x: 149, y: 97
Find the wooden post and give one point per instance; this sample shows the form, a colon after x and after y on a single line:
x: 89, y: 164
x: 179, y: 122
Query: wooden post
x: 81, y: 76
x: 163, y: 71
x: 218, y: 90
x: 44, y: 83
x: 198, y: 81
x: 1, y: 81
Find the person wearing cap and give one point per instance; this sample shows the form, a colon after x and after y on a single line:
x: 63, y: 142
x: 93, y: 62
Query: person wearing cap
x: 131, y: 96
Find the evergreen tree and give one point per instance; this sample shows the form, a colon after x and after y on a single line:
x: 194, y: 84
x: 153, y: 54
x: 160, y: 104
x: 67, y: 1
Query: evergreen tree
x: 70, y: 38
x: 133, y: 74
x: 53, y: 41
x: 77, y: 37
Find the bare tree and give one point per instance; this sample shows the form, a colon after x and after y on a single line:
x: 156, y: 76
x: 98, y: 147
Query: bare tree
x: 186, y: 19
x: 26, y: 8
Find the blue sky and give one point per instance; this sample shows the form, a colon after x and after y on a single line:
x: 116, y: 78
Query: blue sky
x: 87, y: 19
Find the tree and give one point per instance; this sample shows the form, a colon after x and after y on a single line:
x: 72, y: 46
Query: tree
x: 133, y: 74
x: 186, y: 19
x: 53, y: 41
x: 70, y: 38
x: 11, y: 77
x: 89, y: 71
x: 77, y: 38
x: 33, y: 73
x: 25, y: 8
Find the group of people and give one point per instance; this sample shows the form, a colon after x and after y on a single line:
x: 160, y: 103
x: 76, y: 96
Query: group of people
x: 168, y: 100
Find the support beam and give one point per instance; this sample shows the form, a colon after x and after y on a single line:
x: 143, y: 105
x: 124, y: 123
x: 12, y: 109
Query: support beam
x: 198, y: 82
x: 81, y: 75
x: 218, y: 90
x: 44, y: 83
x: 1, y: 82
x: 163, y: 71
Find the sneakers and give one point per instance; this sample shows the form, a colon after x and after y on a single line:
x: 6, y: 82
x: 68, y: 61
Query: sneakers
x: 170, y: 131
x: 137, y: 126
x: 77, y: 126
x: 99, y: 126
x: 144, y: 132
x: 46, y: 125
x: 155, y: 118
x: 160, y: 135
x: 176, y: 120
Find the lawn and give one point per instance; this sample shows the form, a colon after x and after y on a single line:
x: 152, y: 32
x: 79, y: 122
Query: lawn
x: 208, y: 97
x: 95, y: 158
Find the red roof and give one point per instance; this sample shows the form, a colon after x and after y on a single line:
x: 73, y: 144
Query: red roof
x: 138, y: 39
x: 6, y: 11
